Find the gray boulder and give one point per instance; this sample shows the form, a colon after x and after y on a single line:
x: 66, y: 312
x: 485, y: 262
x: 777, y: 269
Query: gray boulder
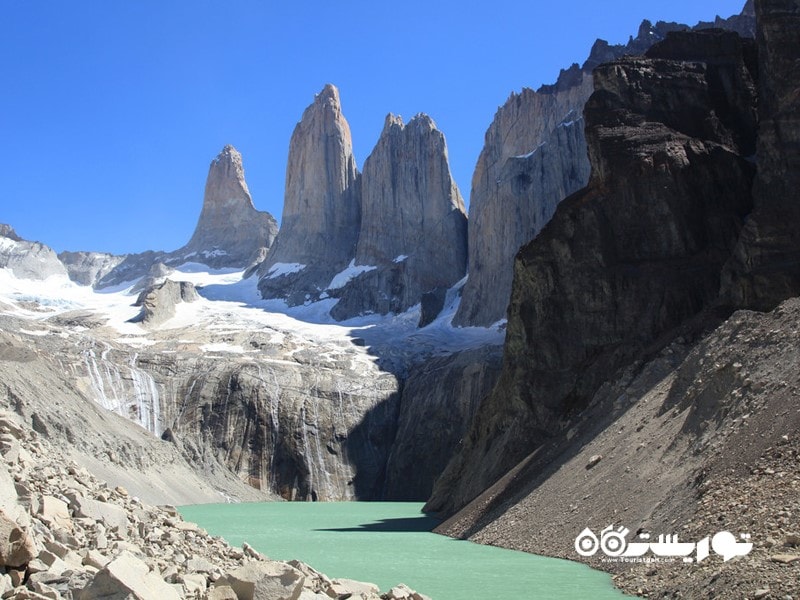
x: 272, y: 579
x: 158, y: 302
x: 17, y: 548
x: 128, y: 577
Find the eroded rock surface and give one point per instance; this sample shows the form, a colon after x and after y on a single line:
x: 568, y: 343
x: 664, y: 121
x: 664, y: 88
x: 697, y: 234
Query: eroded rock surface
x: 322, y: 208
x: 633, y: 255
x: 413, y: 222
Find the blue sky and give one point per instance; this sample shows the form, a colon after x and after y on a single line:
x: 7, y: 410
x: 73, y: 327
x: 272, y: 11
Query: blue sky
x: 112, y: 110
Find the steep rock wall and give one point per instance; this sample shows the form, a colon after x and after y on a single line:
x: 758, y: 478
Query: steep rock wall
x: 534, y: 156
x: 766, y: 267
x: 322, y: 207
x: 629, y: 258
x: 413, y: 222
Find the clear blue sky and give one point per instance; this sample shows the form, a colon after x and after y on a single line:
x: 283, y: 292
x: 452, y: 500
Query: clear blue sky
x: 111, y: 110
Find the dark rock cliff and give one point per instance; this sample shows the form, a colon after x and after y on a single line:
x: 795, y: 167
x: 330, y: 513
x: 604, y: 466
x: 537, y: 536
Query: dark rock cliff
x: 437, y: 404
x: 630, y: 257
x: 533, y: 157
x: 766, y: 266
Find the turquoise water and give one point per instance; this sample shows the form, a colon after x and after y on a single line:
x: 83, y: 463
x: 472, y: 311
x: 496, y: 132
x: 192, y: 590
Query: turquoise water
x: 389, y: 543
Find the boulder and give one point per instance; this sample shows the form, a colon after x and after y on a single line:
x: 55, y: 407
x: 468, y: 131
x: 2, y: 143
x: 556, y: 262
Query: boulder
x: 111, y: 515
x: 17, y: 548
x: 55, y: 512
x: 127, y: 576
x: 257, y: 580
x: 349, y: 588
x: 158, y: 301
x: 221, y: 592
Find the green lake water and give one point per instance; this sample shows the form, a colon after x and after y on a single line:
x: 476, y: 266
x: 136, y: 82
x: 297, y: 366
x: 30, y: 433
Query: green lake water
x: 388, y: 543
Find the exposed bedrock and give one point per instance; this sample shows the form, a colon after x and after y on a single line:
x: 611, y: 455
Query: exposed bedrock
x: 630, y: 257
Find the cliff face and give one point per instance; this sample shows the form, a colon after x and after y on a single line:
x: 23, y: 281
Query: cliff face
x: 766, y: 266
x: 322, y: 208
x: 413, y: 229
x: 438, y: 401
x: 230, y: 231
x: 633, y: 255
x: 534, y: 156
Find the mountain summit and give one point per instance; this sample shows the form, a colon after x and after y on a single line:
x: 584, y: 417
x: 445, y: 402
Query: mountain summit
x: 230, y: 231
x: 413, y: 234
x: 321, y: 210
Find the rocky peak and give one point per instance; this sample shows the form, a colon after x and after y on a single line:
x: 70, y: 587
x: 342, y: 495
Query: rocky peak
x: 230, y: 231
x: 413, y: 222
x: 7, y: 231
x: 27, y: 260
x: 535, y: 155
x: 321, y: 210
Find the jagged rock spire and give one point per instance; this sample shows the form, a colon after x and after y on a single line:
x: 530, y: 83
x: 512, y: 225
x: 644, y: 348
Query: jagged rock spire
x: 321, y: 211
x: 413, y: 221
x: 230, y: 231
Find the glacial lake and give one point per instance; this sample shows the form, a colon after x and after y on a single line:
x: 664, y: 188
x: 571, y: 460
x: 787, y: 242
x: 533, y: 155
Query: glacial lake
x: 388, y: 543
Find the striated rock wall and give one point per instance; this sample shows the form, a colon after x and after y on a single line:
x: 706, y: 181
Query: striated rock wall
x: 534, y: 156
x: 87, y: 268
x: 305, y: 431
x: 413, y: 222
x: 62, y: 386
x: 627, y: 259
x: 437, y: 404
x: 322, y: 208
x: 766, y: 266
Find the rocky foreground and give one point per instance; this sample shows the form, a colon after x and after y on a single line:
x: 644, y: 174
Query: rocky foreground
x: 66, y: 535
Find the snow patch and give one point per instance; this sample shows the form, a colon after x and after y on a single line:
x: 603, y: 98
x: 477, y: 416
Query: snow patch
x: 281, y: 269
x: 7, y: 244
x: 531, y: 153
x: 222, y: 347
x: 400, y: 258
x: 352, y: 271
x: 38, y: 333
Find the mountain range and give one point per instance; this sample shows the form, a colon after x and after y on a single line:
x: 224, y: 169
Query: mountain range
x: 582, y: 348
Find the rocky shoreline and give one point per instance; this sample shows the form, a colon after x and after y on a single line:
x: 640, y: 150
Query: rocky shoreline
x: 66, y: 535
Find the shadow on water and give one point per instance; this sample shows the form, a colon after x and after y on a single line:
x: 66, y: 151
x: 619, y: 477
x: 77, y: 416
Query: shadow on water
x: 423, y: 523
